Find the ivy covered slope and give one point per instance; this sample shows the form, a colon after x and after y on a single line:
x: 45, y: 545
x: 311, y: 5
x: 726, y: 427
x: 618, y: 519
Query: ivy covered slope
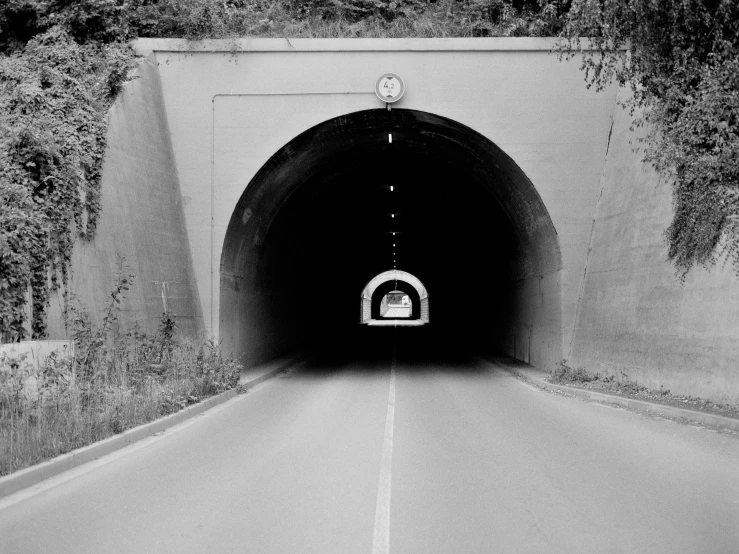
x: 681, y: 60
x: 54, y: 97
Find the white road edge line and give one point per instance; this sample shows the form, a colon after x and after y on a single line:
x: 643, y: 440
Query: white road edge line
x: 381, y: 538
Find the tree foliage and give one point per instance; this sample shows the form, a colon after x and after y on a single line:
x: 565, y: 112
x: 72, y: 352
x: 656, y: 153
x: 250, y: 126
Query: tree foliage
x: 681, y: 60
x: 108, y: 21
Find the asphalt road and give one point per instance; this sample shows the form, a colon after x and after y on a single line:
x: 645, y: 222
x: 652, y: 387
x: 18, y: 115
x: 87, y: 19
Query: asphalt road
x: 424, y: 454
x: 398, y: 311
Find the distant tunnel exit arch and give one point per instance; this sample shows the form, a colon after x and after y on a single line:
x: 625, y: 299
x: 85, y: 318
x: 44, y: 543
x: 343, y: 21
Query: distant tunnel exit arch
x: 317, y: 212
x: 387, y: 281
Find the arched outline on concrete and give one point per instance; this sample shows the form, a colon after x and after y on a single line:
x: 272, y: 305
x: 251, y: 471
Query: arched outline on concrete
x: 277, y: 179
x: 375, y: 289
x: 533, y: 333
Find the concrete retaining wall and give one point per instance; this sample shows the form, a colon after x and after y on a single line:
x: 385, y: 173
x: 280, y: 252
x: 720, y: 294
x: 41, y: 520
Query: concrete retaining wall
x: 141, y: 228
x: 635, y: 318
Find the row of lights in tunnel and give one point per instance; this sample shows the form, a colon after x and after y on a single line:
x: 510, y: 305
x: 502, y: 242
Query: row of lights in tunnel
x: 392, y: 215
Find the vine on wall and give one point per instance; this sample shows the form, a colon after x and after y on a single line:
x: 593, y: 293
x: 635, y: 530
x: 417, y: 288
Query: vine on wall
x: 681, y: 60
x: 54, y: 97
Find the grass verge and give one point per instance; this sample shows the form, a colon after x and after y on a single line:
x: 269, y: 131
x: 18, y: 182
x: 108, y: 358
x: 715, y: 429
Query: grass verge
x: 119, y: 378
x: 580, y: 378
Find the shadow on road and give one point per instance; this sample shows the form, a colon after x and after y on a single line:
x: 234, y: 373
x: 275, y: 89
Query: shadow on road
x: 416, y: 349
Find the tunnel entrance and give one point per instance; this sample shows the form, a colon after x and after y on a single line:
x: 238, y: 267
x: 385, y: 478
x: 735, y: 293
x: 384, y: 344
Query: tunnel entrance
x: 396, y: 305
x: 398, y: 284
x: 374, y: 189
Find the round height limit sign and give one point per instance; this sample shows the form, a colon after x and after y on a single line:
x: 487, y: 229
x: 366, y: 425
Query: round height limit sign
x: 389, y: 88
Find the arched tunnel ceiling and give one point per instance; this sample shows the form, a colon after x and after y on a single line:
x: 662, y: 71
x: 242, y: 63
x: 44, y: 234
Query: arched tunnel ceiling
x: 317, y: 221
x: 349, y: 162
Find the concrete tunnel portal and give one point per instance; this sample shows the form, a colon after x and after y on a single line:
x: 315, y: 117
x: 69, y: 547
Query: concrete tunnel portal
x: 381, y: 189
x: 386, y: 282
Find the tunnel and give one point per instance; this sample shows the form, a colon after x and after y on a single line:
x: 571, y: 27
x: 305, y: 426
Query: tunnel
x: 381, y: 190
x: 387, y: 281
x: 389, y: 286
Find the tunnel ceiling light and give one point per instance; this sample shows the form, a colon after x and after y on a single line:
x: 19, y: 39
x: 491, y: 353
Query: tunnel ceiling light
x: 392, y: 188
x: 392, y: 215
x: 393, y: 233
x: 390, y: 138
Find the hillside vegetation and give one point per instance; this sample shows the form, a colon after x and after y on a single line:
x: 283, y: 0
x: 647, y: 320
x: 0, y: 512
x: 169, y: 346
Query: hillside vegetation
x: 62, y: 63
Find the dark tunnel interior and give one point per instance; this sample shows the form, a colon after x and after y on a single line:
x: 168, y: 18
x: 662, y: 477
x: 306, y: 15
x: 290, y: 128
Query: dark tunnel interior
x: 372, y: 191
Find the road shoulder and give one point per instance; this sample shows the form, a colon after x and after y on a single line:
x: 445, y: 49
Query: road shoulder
x: 34, y: 475
x: 538, y: 379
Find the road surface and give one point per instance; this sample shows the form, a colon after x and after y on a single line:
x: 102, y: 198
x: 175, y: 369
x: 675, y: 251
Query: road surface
x: 398, y: 311
x: 420, y: 455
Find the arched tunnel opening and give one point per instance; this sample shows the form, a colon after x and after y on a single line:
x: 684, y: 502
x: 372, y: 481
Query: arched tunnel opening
x: 397, y: 304
x: 405, y: 288
x: 401, y: 189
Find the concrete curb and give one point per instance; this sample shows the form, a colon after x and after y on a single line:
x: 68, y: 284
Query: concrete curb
x: 35, y: 474
x: 704, y: 418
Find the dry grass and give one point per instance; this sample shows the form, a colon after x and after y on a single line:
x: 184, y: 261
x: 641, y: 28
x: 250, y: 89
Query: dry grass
x: 118, y: 378
x: 69, y: 407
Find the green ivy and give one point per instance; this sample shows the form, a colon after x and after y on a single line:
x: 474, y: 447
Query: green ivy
x: 54, y: 97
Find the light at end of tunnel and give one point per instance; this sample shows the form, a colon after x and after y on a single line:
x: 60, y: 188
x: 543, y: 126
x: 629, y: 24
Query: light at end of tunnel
x: 392, y: 188
x: 392, y: 215
x: 390, y: 138
x: 393, y: 233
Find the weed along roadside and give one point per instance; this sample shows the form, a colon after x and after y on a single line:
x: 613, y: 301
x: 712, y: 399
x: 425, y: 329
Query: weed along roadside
x: 119, y: 377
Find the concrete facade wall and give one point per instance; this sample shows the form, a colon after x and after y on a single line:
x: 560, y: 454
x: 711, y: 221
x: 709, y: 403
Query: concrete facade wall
x: 141, y: 229
x: 231, y: 105
x: 636, y: 319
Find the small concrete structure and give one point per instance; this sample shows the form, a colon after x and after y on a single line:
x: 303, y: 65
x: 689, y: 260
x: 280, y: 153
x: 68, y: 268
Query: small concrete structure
x: 374, y: 292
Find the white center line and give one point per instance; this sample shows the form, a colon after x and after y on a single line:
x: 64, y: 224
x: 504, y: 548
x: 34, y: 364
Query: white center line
x: 381, y: 539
